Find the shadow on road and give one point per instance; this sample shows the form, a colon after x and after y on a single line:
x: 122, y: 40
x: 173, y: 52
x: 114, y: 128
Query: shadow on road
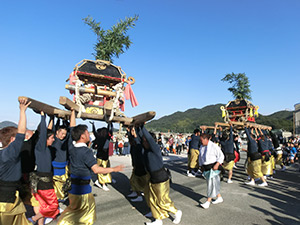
x: 283, y: 195
x: 123, y: 187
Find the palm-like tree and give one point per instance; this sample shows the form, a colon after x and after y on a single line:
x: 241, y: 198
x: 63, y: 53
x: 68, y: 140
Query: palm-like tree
x: 241, y: 86
x: 111, y: 43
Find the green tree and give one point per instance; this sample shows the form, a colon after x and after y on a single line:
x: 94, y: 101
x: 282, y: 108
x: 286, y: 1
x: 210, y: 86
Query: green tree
x: 241, y: 86
x: 111, y: 43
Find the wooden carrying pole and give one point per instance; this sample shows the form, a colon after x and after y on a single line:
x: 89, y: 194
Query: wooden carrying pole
x: 38, y: 106
x: 141, y: 118
x: 241, y: 124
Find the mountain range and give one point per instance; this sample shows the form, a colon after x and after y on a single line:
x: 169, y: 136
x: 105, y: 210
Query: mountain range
x: 191, y: 119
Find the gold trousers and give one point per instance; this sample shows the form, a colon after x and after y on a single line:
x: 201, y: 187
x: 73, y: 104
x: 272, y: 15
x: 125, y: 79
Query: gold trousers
x: 138, y: 183
x: 279, y: 159
x: 228, y: 165
x: 254, y: 168
x: 81, y: 211
x: 58, y: 183
x: 194, y: 164
x: 273, y: 162
x: 104, y: 178
x: 159, y: 201
x: 13, y: 213
x: 266, y: 166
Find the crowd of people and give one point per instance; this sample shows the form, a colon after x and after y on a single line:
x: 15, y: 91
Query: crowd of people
x: 55, y: 163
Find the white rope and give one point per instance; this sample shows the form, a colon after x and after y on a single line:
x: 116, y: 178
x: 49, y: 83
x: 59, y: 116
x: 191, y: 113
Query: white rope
x: 119, y: 92
x: 78, y: 84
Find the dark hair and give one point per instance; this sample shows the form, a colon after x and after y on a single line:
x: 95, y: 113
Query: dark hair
x: 62, y: 127
x: 6, y: 134
x: 153, y: 135
x: 205, y: 136
x: 196, y: 131
x: 102, y: 131
x: 49, y: 133
x: 225, y: 135
x: 78, y: 131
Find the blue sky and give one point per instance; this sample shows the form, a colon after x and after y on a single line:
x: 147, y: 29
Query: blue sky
x: 181, y: 50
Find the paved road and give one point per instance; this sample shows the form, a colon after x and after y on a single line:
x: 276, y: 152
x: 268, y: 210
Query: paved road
x: 279, y: 203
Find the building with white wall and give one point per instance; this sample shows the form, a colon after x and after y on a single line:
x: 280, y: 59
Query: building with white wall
x: 297, y: 119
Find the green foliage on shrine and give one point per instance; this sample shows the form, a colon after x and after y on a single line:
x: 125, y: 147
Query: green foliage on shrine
x: 241, y: 86
x: 112, y: 42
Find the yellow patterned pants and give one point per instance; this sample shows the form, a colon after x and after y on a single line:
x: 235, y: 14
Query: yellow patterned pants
x: 104, y: 178
x: 13, y: 213
x: 254, y: 168
x: 81, y: 211
x: 194, y: 164
x: 160, y: 203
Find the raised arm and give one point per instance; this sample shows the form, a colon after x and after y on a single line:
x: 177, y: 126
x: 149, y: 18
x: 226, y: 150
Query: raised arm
x: 42, y: 141
x: 51, y: 122
x: 247, y: 132
x: 230, y: 133
x: 57, y: 124
x: 153, y: 145
x: 72, y: 118
x: 110, y: 128
x: 94, y: 129
x: 23, y: 105
x: 135, y: 136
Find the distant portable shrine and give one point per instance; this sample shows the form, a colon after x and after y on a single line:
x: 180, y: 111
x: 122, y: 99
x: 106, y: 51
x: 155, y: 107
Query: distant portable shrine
x: 239, y: 110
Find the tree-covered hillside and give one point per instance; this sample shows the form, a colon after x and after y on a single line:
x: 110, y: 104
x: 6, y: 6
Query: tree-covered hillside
x: 189, y: 120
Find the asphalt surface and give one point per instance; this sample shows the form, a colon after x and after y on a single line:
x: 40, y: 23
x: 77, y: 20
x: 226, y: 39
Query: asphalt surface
x: 279, y: 203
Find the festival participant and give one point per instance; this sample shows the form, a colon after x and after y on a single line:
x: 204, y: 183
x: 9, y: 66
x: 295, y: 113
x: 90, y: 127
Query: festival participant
x: 278, y: 153
x: 272, y: 144
x: 210, y: 158
x: 101, y: 142
x: 254, y: 160
x: 264, y: 149
x: 236, y: 142
x: 59, y: 163
x: 28, y: 165
x: 179, y: 143
x: 159, y: 186
x: 82, y: 203
x: 293, y: 153
x: 42, y: 179
x: 228, y: 150
x: 139, y: 179
x: 12, y: 209
x: 171, y: 144
x: 194, y: 144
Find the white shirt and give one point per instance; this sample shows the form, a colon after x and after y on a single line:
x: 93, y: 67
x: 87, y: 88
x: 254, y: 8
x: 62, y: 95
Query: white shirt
x: 210, y: 154
x: 80, y: 144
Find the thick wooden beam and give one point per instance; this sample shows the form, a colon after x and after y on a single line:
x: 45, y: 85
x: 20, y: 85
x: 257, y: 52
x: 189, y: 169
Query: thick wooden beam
x: 205, y: 127
x: 220, y: 124
x: 242, y: 124
x: 141, y: 118
x: 40, y: 106
x: 68, y: 104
